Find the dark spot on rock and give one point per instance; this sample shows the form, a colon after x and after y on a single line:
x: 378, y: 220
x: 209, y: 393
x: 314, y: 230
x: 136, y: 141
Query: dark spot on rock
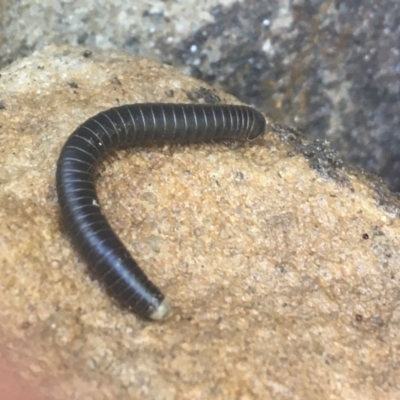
x: 87, y: 53
x: 359, y: 318
x: 282, y: 268
x: 203, y: 94
x: 116, y: 81
x: 321, y: 156
x: 73, y: 85
x: 386, y: 199
x: 250, y: 289
x: 365, y: 236
x: 82, y: 38
x: 378, y: 320
x: 239, y: 175
x: 132, y: 41
x: 288, y: 133
x: 169, y: 93
x: 25, y: 325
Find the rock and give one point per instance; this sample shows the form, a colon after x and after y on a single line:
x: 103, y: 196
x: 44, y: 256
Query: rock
x: 282, y: 265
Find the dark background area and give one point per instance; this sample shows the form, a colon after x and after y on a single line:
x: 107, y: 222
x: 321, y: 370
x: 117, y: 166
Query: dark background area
x: 330, y: 68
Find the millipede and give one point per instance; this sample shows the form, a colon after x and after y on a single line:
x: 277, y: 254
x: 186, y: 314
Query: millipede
x: 123, y: 126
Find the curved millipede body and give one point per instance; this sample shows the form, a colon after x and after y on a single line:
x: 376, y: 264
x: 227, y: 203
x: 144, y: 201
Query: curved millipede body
x: 131, y: 125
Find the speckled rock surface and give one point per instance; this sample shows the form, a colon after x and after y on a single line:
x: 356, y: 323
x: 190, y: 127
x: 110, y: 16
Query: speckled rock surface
x: 330, y: 67
x: 284, y: 278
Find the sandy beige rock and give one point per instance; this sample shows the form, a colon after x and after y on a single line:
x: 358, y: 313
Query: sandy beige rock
x: 284, y: 280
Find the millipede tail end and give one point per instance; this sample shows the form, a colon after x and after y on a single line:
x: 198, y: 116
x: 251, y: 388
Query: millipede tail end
x: 163, y: 311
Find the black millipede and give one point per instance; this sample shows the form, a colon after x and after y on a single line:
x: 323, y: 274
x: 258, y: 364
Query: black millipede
x: 130, y: 125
